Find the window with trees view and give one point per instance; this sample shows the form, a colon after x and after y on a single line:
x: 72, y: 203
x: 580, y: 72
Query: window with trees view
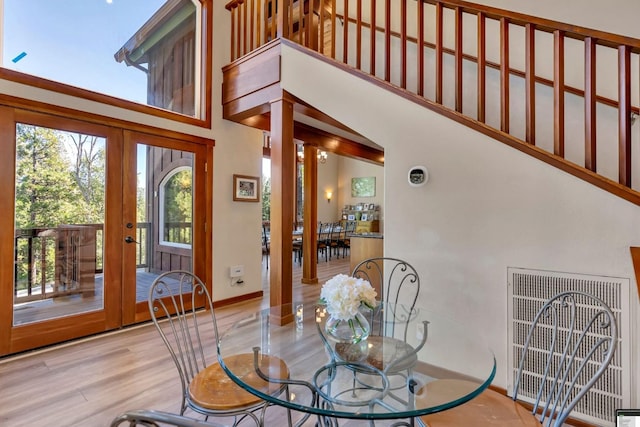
x: 145, y: 51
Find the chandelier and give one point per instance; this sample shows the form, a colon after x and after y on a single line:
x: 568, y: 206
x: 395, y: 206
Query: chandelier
x: 322, y: 156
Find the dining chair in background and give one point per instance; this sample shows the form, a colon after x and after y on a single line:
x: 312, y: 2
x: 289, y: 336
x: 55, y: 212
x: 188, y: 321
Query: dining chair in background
x: 182, y: 311
x: 334, y: 239
x: 572, y: 338
x: 324, y: 239
x: 297, y: 250
x: 344, y: 241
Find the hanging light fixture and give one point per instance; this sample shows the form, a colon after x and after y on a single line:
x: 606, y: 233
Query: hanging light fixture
x: 322, y: 156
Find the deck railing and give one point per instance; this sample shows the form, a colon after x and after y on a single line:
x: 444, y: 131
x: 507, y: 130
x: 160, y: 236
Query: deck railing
x: 558, y: 89
x: 56, y: 261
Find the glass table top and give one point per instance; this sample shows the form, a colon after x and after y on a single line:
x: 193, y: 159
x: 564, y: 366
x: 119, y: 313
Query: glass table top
x: 413, y: 362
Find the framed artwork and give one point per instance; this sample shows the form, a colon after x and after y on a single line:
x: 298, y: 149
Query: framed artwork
x: 363, y: 187
x: 351, y: 217
x: 372, y: 206
x: 246, y: 188
x: 364, y: 217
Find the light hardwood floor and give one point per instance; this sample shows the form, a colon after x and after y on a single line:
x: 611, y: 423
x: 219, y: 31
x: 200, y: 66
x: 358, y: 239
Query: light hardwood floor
x: 88, y: 382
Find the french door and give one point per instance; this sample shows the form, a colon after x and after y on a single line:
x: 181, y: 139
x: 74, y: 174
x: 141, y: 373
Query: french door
x: 96, y: 212
x: 164, y: 221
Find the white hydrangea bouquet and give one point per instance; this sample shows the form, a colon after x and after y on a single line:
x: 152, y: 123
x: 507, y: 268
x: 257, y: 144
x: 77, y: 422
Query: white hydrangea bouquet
x: 343, y: 296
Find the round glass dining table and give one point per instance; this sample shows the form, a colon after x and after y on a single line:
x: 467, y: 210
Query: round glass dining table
x: 414, y: 362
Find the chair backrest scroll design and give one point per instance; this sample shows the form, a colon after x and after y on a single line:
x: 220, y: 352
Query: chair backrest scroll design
x: 395, y: 280
x: 579, y: 333
x: 174, y: 299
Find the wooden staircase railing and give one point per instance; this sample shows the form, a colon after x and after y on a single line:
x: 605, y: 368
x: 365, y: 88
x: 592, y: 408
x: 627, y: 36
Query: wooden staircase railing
x: 541, y: 82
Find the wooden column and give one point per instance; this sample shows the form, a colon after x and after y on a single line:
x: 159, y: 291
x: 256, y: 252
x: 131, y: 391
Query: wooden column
x: 310, y: 230
x: 282, y: 213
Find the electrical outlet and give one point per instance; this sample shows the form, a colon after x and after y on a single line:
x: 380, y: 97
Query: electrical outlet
x: 236, y: 271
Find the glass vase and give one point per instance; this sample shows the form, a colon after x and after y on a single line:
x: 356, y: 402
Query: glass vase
x: 348, y: 331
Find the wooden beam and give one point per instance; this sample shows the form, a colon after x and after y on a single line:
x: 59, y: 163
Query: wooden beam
x: 282, y: 213
x: 338, y: 145
x: 309, y: 231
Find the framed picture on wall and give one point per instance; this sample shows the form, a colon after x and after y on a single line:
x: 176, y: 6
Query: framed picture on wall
x: 246, y: 188
x: 364, y: 217
x: 363, y: 187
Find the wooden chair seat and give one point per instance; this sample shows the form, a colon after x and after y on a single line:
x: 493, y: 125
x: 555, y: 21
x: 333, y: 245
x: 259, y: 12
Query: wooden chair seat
x: 489, y: 408
x: 213, y: 389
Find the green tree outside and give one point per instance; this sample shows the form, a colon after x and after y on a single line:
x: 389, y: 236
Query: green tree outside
x: 59, y: 180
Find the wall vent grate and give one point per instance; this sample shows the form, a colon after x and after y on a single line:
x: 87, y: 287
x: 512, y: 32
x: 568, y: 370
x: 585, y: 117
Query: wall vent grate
x: 528, y: 290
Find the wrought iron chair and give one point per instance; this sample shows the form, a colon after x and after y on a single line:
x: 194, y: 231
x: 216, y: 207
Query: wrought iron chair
x: 396, y: 281
x: 151, y: 418
x: 191, y: 336
x: 581, y: 337
x: 573, y: 337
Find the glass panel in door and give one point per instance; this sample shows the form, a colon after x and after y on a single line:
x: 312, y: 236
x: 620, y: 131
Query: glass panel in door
x: 59, y: 224
x: 164, y: 211
x: 164, y: 216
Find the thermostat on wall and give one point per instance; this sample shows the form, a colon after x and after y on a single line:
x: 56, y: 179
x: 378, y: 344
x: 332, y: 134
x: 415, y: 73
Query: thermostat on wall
x: 418, y: 176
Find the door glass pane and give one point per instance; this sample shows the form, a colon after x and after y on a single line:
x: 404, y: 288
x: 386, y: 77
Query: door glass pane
x: 59, y: 223
x: 164, y: 213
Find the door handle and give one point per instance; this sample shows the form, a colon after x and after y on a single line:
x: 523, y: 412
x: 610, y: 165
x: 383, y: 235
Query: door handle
x: 130, y: 239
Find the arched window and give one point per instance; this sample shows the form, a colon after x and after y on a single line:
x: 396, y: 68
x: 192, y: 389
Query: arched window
x: 176, y: 208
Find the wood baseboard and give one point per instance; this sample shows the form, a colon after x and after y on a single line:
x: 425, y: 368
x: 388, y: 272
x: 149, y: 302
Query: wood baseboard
x: 235, y: 300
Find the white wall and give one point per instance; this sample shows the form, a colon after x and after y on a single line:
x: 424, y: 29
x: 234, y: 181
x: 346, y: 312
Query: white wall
x: 328, y: 181
x: 486, y: 207
x: 236, y: 225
